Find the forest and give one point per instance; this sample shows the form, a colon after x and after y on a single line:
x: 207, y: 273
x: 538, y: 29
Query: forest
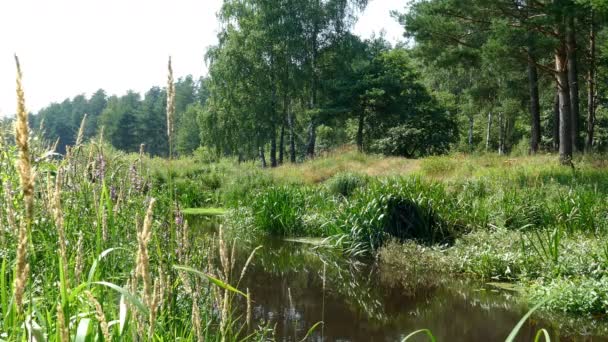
x: 315, y: 185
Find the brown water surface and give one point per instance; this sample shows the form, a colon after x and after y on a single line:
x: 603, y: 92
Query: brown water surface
x: 295, y: 285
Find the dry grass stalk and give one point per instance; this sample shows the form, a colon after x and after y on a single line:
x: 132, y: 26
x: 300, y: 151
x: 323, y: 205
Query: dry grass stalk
x: 143, y: 259
x: 80, y: 136
x: 249, y: 309
x: 170, y: 102
x: 232, y: 257
x: 224, y: 317
x: 27, y: 187
x: 104, y: 223
x: 58, y: 215
x: 101, y: 317
x: 54, y: 146
x: 154, y: 308
x: 64, y: 335
x: 249, y: 260
x: 224, y: 257
x: 196, y: 318
x: 22, y: 132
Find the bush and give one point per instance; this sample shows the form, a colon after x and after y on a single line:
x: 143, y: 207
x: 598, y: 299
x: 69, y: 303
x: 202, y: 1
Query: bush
x: 345, y: 184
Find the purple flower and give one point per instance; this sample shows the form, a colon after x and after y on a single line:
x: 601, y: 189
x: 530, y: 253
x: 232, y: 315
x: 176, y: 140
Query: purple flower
x: 113, y: 194
x: 100, y: 172
x: 179, y: 218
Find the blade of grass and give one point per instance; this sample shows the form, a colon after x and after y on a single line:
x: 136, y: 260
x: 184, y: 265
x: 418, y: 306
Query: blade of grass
x: 214, y: 280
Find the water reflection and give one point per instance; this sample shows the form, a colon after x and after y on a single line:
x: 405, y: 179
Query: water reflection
x: 295, y: 285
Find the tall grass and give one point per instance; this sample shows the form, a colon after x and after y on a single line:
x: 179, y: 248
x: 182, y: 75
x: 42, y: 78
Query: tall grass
x: 90, y: 253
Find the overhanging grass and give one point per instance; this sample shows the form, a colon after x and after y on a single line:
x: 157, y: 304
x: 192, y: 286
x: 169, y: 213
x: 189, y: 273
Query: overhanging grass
x: 204, y: 211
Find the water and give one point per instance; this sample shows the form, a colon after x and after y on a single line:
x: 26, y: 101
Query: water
x: 295, y: 285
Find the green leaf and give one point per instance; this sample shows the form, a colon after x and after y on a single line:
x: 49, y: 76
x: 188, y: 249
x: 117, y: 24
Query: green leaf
x: 130, y: 297
x: 523, y: 320
x: 122, y: 314
x: 83, y: 330
x: 542, y: 332
x: 96, y: 262
x: 311, y: 330
x: 214, y: 280
x: 425, y: 331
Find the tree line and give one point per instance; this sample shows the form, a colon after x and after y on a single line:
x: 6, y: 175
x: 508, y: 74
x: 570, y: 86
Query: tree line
x: 128, y: 120
x: 289, y: 79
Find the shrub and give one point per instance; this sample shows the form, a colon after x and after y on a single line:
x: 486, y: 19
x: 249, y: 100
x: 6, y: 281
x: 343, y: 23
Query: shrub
x: 345, y: 184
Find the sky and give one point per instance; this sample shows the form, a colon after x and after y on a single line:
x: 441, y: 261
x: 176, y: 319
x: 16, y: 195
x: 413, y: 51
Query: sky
x: 71, y: 47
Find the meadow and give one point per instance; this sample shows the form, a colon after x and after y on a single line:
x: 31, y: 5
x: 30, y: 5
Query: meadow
x: 526, y: 221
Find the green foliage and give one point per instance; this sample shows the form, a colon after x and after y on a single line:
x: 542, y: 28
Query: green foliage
x: 582, y: 296
x: 278, y: 211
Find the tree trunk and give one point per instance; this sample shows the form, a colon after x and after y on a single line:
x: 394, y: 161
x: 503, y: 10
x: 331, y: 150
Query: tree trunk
x: 273, y: 146
x: 282, y: 143
x: 556, y: 121
x: 573, y: 84
x: 312, y: 138
x: 534, y: 105
x: 292, y: 137
x: 312, y: 127
x: 565, y: 117
x: 471, y: 133
x: 262, y: 156
x: 488, y: 132
x: 360, y: 131
x: 501, y: 134
x: 591, y: 87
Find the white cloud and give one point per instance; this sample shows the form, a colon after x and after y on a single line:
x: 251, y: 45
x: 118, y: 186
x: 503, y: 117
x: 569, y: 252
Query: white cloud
x: 68, y: 47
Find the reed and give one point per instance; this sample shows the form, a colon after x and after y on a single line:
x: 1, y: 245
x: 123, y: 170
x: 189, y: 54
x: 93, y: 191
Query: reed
x: 170, y: 103
x: 80, y: 136
x: 27, y: 188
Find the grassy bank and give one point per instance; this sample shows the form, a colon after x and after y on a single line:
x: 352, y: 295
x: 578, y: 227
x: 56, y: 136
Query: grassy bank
x: 524, y: 220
